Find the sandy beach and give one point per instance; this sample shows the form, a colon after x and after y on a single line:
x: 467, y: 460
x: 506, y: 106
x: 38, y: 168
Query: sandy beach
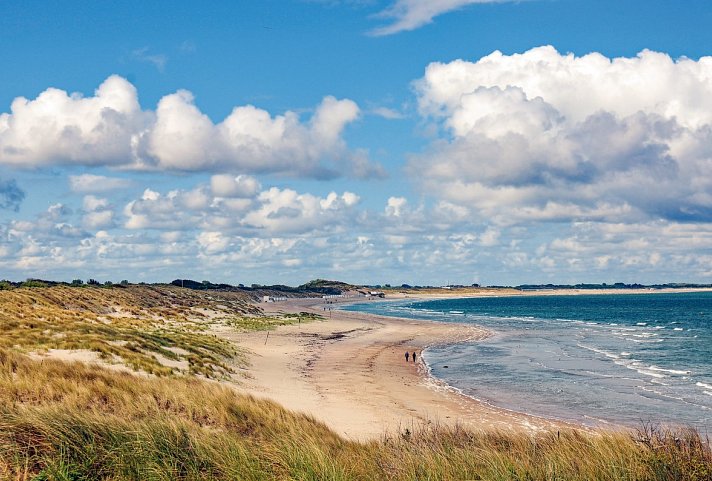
x: 349, y: 371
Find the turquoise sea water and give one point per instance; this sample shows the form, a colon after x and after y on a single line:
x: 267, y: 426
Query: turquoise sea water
x: 595, y: 359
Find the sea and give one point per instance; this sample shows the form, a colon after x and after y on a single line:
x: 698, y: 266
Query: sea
x: 628, y: 359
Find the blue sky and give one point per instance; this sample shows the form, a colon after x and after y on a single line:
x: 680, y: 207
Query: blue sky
x: 395, y: 141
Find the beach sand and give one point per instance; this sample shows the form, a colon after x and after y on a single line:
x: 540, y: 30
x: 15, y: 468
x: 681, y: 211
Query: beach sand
x: 349, y: 372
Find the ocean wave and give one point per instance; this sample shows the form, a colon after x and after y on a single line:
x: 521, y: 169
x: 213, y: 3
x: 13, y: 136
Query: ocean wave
x: 598, y: 350
x: 671, y: 371
x: 663, y: 394
x: 703, y: 385
x: 646, y: 372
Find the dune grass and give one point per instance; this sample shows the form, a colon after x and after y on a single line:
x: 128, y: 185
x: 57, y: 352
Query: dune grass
x: 160, y: 330
x: 138, y: 327
x: 62, y: 421
x: 261, y: 323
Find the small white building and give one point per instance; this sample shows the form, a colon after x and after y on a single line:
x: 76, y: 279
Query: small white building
x: 273, y: 299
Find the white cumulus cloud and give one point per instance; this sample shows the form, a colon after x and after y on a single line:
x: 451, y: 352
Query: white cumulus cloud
x: 543, y: 135
x: 267, y: 212
x: 111, y: 129
x: 225, y: 185
x: 58, y: 127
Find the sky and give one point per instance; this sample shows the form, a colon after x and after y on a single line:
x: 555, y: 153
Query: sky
x: 370, y: 141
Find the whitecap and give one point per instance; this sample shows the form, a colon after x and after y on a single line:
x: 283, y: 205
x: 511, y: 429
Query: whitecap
x: 671, y: 371
x: 650, y: 373
x: 609, y: 355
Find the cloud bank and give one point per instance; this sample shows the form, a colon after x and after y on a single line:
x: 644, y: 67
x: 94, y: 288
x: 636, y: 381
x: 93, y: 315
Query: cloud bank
x: 542, y: 136
x: 111, y: 129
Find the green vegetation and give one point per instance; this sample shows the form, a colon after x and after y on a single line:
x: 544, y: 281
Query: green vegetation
x: 160, y: 330
x: 157, y: 330
x: 261, y: 323
x: 63, y: 421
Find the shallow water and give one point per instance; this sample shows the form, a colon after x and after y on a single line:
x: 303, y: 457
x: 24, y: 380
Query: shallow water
x: 594, y: 359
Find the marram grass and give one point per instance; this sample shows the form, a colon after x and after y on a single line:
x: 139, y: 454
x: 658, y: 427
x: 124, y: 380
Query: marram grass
x: 138, y: 326
x: 62, y: 421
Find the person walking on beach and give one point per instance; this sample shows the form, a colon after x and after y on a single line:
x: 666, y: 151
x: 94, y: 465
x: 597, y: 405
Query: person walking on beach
x: 406, y: 356
x: 413, y: 356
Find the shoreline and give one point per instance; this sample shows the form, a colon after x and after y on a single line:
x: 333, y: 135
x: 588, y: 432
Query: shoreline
x: 554, y: 414
x: 349, y: 372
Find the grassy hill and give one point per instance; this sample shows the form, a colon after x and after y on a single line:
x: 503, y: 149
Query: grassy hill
x: 73, y: 421
x: 158, y: 330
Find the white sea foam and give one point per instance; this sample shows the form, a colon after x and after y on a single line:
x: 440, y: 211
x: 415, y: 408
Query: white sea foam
x: 609, y: 355
x: 701, y: 384
x: 637, y: 366
x: 641, y: 324
x: 671, y: 371
x: 646, y: 372
x: 678, y: 329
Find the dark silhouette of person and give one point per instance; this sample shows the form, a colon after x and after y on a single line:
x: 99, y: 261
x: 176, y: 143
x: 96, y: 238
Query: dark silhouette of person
x: 406, y: 356
x: 413, y: 356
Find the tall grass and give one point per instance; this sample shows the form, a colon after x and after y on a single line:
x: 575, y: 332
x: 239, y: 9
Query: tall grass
x: 139, y: 326
x: 63, y: 421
